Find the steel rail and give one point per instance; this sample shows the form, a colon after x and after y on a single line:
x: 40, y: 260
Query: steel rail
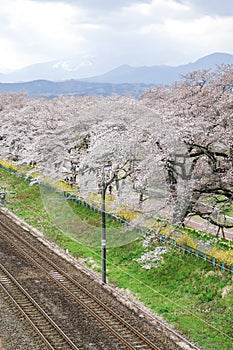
x: 147, y: 314
x: 32, y: 305
x: 60, y: 283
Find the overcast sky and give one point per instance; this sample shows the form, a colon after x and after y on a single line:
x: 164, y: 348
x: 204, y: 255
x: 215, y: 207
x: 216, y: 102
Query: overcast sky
x: 113, y: 32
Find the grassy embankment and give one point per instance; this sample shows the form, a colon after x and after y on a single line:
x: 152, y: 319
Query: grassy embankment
x: 188, y: 293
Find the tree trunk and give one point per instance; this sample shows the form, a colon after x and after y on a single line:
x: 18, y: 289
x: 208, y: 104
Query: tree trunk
x: 182, y: 202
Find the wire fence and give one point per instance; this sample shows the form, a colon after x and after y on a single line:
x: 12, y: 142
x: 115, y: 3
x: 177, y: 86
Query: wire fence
x: 190, y: 251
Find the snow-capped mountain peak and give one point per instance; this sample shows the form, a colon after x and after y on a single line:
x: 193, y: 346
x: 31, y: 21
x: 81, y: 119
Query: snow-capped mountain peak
x: 68, y: 66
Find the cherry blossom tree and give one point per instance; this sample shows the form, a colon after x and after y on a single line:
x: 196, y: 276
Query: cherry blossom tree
x: 200, y: 110
x: 114, y: 140
x: 171, y: 149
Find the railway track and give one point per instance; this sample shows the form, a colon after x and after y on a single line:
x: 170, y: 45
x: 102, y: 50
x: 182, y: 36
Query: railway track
x: 123, y: 329
x: 51, y: 334
x: 120, y: 329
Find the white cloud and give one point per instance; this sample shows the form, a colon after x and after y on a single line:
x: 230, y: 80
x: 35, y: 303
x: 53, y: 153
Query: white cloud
x: 212, y: 7
x: 98, y: 5
x: 137, y: 32
x: 40, y: 30
x: 205, y: 33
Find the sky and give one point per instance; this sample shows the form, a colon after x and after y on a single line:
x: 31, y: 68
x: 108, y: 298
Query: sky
x: 109, y: 33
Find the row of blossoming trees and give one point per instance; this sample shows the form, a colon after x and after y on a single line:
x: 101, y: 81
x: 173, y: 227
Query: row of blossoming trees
x: 170, y: 152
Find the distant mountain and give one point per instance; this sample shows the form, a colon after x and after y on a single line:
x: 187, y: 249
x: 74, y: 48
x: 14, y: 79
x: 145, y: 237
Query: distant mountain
x: 147, y: 75
x: 91, y: 70
x: 50, y: 89
x: 60, y: 70
x: 210, y: 61
x: 160, y: 74
x: 56, y: 78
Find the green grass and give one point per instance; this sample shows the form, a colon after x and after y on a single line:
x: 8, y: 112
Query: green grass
x: 184, y: 291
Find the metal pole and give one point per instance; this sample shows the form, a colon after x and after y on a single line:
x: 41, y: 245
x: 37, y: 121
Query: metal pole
x: 103, y: 231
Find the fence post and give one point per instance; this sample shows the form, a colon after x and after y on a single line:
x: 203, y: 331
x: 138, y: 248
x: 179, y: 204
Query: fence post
x: 196, y: 254
x: 213, y: 261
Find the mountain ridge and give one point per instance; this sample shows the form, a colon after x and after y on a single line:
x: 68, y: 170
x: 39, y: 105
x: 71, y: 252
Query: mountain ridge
x: 122, y: 80
x: 161, y: 74
x: 86, y: 71
x: 51, y: 89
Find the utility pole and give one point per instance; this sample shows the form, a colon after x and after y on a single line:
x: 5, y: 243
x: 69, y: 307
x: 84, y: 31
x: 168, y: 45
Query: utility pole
x: 103, y: 215
x: 105, y: 184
